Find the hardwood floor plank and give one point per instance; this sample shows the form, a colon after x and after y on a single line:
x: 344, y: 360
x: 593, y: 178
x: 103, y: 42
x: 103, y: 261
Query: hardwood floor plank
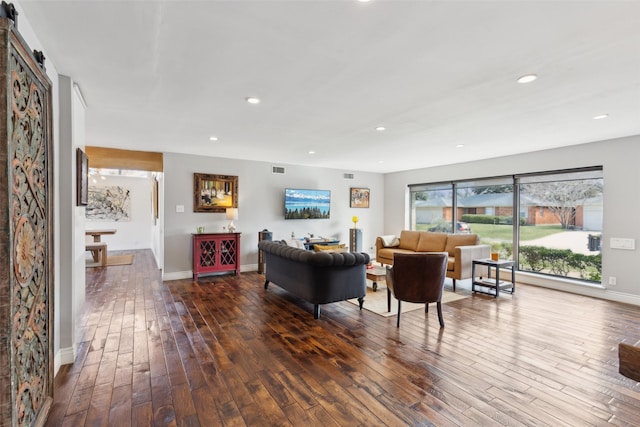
x: 141, y: 384
x: 120, y: 409
x: 183, y: 403
x: 141, y: 415
x: 100, y: 405
x: 163, y: 410
x: 225, y: 351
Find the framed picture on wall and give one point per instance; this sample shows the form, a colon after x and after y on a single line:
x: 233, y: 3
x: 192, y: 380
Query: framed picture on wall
x: 82, y: 178
x: 154, y: 199
x: 359, y: 198
x: 214, y: 193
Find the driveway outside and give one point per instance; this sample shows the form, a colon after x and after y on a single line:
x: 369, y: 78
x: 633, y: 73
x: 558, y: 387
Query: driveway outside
x: 577, y: 241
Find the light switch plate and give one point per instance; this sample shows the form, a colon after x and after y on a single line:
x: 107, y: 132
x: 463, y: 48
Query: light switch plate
x: 179, y: 208
x: 622, y: 243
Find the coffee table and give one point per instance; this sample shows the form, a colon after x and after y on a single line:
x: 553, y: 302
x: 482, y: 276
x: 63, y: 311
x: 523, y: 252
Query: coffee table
x: 376, y: 274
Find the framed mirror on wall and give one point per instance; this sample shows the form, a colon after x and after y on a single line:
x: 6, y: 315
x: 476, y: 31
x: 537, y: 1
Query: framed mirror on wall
x: 214, y: 193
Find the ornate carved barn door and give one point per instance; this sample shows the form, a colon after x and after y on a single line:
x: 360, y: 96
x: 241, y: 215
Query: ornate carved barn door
x: 26, y: 233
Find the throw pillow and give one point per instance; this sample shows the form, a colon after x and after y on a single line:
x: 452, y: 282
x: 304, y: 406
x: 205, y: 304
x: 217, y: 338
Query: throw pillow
x: 330, y: 248
x: 390, y: 241
x: 295, y: 243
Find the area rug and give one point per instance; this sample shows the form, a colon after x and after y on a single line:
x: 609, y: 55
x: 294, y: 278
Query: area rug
x: 112, y: 260
x: 376, y: 302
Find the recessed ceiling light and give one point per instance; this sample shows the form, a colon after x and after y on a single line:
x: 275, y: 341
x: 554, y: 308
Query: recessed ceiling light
x: 380, y: 161
x: 364, y: 1
x: 253, y: 100
x: 381, y: 128
x: 460, y: 146
x: 312, y: 152
x: 213, y: 138
x: 600, y: 116
x: 527, y: 78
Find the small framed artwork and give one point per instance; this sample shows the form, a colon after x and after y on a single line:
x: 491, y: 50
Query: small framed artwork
x: 214, y: 193
x: 359, y: 198
x: 82, y: 178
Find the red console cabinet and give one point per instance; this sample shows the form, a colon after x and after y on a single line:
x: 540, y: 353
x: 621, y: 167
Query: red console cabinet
x: 215, y: 252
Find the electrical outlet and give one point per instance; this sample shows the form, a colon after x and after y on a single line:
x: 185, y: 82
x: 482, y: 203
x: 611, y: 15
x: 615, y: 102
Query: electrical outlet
x: 612, y: 281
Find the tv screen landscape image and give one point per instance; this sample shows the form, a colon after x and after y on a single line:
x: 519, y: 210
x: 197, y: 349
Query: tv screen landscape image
x: 306, y: 204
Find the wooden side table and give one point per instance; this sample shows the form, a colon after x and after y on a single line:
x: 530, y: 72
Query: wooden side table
x: 493, y: 283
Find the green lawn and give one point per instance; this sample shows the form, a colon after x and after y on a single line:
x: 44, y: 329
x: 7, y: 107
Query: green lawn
x: 505, y: 232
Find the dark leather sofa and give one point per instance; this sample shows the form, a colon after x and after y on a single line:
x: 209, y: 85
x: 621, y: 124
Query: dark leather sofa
x: 317, y: 277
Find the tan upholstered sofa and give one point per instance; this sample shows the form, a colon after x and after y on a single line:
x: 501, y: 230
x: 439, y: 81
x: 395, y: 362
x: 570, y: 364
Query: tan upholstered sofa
x: 462, y: 249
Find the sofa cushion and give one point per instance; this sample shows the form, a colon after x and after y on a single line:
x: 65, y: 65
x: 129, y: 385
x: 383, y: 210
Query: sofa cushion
x: 454, y: 240
x: 409, y: 239
x: 431, y: 242
x: 388, y: 253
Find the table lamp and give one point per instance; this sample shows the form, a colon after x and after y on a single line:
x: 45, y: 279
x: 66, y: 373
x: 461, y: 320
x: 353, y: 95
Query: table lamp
x: 232, y: 213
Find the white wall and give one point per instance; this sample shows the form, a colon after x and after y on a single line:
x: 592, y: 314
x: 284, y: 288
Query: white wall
x: 72, y: 266
x: 133, y: 234
x: 621, y: 201
x: 260, y: 206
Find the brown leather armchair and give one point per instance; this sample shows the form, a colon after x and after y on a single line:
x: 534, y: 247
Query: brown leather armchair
x: 417, y: 277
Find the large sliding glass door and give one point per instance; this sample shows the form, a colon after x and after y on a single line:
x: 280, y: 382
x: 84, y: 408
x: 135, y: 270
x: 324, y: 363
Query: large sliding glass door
x: 550, y: 223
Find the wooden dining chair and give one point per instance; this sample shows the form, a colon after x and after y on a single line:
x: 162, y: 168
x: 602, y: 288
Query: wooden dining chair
x: 417, y: 278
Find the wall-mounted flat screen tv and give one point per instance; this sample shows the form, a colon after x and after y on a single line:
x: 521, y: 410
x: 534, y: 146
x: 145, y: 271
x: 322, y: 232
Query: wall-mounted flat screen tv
x: 306, y: 204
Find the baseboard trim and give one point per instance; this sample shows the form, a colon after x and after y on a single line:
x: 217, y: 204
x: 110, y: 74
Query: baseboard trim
x: 179, y: 275
x: 580, y: 288
x: 64, y: 356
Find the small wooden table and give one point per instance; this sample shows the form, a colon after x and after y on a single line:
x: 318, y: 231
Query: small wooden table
x: 491, y: 283
x: 98, y: 233
x: 376, y: 274
x: 98, y: 250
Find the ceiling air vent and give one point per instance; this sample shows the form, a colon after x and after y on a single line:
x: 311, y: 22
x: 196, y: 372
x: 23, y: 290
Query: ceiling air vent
x: 348, y: 176
x: 277, y: 169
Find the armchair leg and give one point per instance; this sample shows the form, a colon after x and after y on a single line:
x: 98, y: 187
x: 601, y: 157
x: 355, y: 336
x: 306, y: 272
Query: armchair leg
x: 426, y: 307
x: 388, y: 300
x: 399, y: 303
x: 316, y: 311
x: 439, y: 305
x: 454, y: 285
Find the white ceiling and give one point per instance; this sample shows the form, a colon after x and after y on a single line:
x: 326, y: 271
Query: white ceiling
x: 166, y: 75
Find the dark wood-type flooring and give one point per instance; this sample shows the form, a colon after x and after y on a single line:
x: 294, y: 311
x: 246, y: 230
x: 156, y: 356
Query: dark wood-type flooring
x: 223, y: 351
